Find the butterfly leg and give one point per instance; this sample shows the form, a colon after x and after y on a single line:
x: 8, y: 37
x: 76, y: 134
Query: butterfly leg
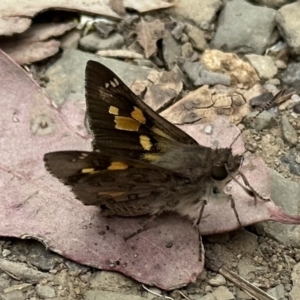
x: 199, y: 217
x: 232, y: 204
x: 254, y: 193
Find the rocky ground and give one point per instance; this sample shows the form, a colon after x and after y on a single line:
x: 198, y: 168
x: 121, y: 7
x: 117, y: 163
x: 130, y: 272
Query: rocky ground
x: 266, y: 254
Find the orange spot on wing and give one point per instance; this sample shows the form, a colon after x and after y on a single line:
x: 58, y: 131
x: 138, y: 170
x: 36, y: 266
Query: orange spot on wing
x: 113, y: 110
x: 117, y: 165
x: 138, y: 115
x: 125, y: 123
x: 145, y: 142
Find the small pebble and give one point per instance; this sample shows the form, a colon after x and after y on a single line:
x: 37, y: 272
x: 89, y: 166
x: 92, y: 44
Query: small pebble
x: 217, y: 280
x: 6, y: 252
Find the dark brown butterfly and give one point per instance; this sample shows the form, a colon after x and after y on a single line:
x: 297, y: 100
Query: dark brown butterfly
x: 141, y: 163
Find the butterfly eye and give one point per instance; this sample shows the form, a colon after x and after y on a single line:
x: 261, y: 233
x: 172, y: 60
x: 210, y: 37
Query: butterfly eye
x: 219, y: 173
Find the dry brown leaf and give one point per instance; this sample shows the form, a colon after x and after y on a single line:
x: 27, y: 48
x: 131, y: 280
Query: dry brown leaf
x: 148, y: 33
x: 166, y: 87
x: 203, y: 104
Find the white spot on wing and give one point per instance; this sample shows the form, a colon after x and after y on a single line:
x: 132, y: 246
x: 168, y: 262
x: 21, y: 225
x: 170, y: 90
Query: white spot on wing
x: 116, y: 81
x: 113, y: 84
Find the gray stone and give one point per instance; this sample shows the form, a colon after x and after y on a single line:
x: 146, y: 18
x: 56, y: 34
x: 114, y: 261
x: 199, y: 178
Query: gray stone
x: 264, y: 120
x: 296, y: 108
x: 6, y: 252
x: 178, y: 30
x: 100, y: 295
x: 291, y: 76
x: 292, y: 158
x: 288, y: 22
x: 280, y: 64
x: 245, y: 241
x: 105, y: 29
x: 198, y: 12
x: 285, y: 194
x: 241, y: 295
x: 200, y: 75
x: 94, y: 42
x: 272, y: 83
x: 111, y: 281
x: 37, y: 255
x: 263, y: 65
x: 223, y: 293
x: 197, y: 37
x: 273, y: 3
x: 23, y: 272
x: 15, y: 295
x: 70, y: 40
x: 75, y: 268
x: 171, y: 51
x: 217, y: 280
x: 208, y: 296
x: 45, y: 291
x: 277, y: 292
x: 246, y: 268
x: 188, y: 53
x: 295, y: 292
x: 271, y: 87
x: 4, y: 281
x: 245, y: 28
x: 62, y: 278
x: 66, y: 76
x: 288, y: 131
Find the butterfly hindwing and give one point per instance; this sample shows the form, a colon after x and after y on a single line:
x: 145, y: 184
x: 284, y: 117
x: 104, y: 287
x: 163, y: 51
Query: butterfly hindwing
x: 122, y: 123
x: 118, y: 185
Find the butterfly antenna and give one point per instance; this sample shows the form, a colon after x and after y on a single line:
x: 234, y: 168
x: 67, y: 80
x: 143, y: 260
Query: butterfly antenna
x: 269, y: 104
x: 247, y: 187
x: 279, y: 98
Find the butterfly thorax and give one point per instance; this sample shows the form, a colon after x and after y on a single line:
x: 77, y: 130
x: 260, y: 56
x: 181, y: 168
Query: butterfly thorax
x: 195, y: 161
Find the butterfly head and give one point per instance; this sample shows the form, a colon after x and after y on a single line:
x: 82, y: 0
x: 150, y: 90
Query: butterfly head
x: 225, y: 164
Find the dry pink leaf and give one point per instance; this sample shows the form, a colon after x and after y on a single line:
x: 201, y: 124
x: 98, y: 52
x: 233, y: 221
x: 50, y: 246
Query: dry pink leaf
x: 12, y: 25
x: 166, y: 87
x: 29, y: 46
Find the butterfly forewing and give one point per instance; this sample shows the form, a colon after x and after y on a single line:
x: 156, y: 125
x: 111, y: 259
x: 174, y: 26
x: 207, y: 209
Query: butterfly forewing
x: 121, y: 122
